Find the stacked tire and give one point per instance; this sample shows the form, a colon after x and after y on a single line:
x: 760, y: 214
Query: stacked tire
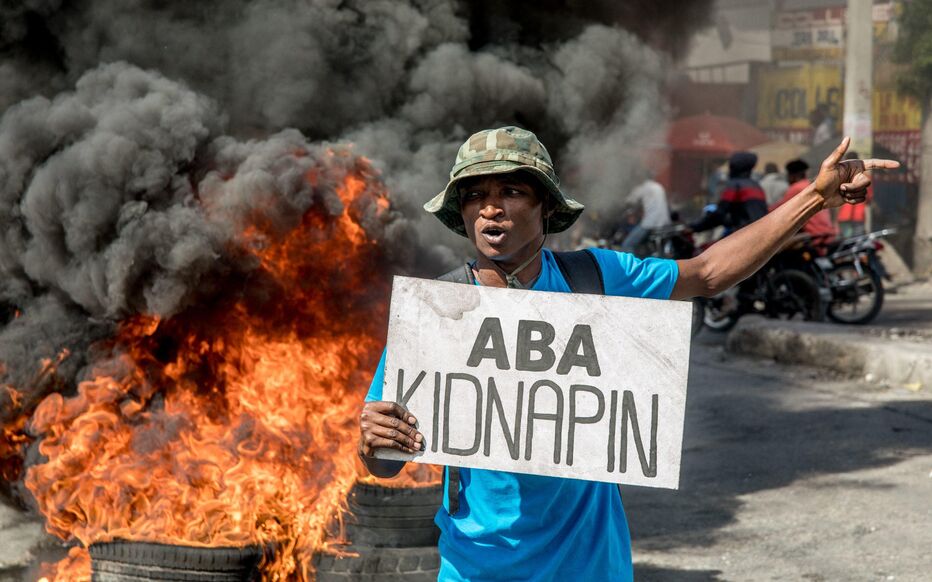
x: 124, y: 561
x: 392, y: 531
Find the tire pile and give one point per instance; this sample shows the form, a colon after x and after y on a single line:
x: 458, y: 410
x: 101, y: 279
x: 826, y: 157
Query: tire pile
x: 393, y: 532
x: 122, y: 561
x: 391, y: 529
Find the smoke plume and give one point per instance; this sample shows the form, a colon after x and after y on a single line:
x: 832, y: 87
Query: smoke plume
x: 138, y: 139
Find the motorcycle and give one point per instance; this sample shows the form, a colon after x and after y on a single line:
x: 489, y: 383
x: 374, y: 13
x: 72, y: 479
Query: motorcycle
x: 854, y: 276
x: 669, y: 242
x: 784, y: 288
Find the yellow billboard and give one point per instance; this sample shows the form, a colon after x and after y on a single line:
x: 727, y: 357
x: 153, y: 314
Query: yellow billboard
x: 895, y: 112
x: 796, y: 98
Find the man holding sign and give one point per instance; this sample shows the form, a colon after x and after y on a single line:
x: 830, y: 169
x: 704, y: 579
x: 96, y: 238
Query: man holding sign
x: 526, y: 392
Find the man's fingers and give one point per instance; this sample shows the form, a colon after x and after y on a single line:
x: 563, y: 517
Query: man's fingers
x: 881, y: 164
x: 374, y: 442
x: 377, y: 419
x: 414, y: 443
x: 854, y: 197
x: 392, y: 409
x: 388, y: 425
x: 859, y: 183
x: 835, y: 157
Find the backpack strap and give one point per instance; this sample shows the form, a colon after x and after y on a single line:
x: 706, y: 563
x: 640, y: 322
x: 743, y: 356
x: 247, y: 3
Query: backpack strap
x: 452, y: 479
x: 581, y: 271
x: 451, y: 475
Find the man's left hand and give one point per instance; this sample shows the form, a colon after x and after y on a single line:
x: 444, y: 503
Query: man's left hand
x: 845, y: 182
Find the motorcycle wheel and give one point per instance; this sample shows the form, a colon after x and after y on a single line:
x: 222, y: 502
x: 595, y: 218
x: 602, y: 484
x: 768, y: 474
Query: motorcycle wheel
x: 868, y: 300
x: 794, y: 294
x: 698, y: 316
x: 716, y: 320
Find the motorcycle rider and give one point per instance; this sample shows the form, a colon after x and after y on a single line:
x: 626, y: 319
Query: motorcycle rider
x: 742, y: 201
x: 773, y: 183
x: 650, y: 196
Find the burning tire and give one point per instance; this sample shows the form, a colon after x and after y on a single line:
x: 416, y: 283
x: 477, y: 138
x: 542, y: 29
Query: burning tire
x: 392, y: 531
x: 123, y: 561
x: 393, y: 517
x: 380, y: 565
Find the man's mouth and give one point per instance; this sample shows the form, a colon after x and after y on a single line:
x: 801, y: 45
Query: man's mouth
x: 494, y: 235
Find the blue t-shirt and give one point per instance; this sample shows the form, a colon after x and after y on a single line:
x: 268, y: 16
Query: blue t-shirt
x: 513, y: 526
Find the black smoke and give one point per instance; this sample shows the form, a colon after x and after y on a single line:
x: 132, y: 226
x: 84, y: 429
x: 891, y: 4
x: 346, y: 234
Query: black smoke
x: 121, y: 117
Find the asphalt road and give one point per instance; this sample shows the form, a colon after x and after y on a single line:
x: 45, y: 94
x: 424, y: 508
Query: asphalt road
x: 790, y: 473
x: 908, y: 308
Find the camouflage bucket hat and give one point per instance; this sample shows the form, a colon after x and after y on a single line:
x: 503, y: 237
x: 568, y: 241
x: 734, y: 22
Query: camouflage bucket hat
x: 500, y: 151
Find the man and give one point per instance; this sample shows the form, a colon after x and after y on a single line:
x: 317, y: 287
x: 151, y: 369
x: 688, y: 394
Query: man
x: 852, y: 218
x: 823, y: 124
x: 742, y: 201
x: 820, y: 226
x: 504, y: 195
x: 651, y: 196
x: 773, y: 183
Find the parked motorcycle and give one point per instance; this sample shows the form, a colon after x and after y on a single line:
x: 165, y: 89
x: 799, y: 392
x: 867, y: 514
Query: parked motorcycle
x: 669, y: 242
x: 854, y: 275
x: 784, y: 288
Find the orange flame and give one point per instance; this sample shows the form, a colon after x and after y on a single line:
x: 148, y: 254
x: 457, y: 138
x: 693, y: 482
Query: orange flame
x: 15, y: 408
x: 233, y: 423
x: 75, y: 567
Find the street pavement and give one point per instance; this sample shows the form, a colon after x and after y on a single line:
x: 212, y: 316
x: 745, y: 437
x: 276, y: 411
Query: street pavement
x: 894, y: 349
x: 790, y: 473
x: 22, y: 542
x: 907, y: 307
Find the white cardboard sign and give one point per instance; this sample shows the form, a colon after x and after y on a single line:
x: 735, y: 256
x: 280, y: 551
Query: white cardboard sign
x: 567, y: 385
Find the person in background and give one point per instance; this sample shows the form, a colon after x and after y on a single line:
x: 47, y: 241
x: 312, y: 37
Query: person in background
x: 715, y: 181
x: 773, y: 183
x: 852, y: 217
x: 819, y: 226
x: 742, y: 201
x: 651, y: 196
x: 823, y: 124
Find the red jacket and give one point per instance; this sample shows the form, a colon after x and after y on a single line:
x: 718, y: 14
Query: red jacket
x: 820, y: 226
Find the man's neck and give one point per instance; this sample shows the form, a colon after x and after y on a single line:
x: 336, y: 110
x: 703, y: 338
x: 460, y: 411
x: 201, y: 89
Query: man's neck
x: 493, y: 273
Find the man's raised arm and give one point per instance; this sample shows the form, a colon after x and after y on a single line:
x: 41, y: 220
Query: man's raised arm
x: 741, y: 254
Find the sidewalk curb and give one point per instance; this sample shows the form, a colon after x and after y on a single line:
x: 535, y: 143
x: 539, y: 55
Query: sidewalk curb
x: 853, y: 351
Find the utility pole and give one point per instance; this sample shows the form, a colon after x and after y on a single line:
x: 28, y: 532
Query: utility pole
x: 859, y: 75
x: 922, y: 240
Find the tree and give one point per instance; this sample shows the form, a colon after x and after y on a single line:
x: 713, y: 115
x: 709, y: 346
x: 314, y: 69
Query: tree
x: 914, y: 49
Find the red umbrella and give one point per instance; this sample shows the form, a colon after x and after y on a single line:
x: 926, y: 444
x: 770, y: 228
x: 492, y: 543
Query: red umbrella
x: 713, y: 134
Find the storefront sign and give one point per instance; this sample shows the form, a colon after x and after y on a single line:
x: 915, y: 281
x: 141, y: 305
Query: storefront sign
x: 809, y: 34
x: 790, y: 98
